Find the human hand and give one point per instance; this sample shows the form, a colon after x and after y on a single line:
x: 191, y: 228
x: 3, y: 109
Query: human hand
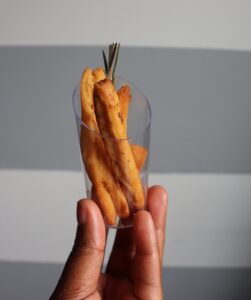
x: 134, y: 267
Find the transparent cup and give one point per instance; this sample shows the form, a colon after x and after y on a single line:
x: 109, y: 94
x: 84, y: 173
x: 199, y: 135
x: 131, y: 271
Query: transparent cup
x: 106, y: 182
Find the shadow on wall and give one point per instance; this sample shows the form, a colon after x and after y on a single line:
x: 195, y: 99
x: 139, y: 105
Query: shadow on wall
x: 36, y: 281
x: 200, y: 101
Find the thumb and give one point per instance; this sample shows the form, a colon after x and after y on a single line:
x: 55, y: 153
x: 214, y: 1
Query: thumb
x: 82, y: 269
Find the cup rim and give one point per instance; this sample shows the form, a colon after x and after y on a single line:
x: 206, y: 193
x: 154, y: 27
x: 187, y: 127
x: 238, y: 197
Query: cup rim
x: 111, y: 138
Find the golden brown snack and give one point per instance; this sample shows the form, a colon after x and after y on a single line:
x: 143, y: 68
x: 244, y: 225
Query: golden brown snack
x: 97, y: 164
x: 124, y: 94
x: 107, y: 109
x: 139, y: 152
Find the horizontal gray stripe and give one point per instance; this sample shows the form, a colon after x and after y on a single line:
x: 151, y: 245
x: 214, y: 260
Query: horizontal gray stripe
x: 24, y: 281
x: 201, y: 103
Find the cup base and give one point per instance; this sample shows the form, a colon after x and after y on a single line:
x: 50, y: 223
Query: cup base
x: 119, y: 226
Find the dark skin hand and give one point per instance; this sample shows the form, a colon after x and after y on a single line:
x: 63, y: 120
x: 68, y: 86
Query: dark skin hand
x: 134, y: 268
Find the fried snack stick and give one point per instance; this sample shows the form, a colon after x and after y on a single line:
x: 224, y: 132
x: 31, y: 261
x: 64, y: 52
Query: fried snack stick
x: 109, y: 194
x: 125, y: 98
x: 139, y: 152
x: 109, y: 121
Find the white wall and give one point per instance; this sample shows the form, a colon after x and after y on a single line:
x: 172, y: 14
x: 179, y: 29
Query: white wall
x: 161, y: 23
x: 208, y: 217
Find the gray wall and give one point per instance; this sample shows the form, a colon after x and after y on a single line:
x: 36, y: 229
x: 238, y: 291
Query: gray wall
x: 201, y: 123
x: 201, y: 103
x: 197, y: 284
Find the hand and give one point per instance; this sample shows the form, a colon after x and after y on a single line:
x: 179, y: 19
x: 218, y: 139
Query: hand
x: 134, y: 268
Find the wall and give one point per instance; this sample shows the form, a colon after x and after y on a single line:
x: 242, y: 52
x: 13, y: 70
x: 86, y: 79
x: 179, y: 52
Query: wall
x: 208, y: 24
x: 192, y: 60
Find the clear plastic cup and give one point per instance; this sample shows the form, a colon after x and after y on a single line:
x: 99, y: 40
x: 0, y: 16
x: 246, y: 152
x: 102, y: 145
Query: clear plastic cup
x: 121, y: 186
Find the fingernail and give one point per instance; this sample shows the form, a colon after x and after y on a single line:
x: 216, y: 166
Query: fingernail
x: 81, y: 212
x: 164, y: 194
